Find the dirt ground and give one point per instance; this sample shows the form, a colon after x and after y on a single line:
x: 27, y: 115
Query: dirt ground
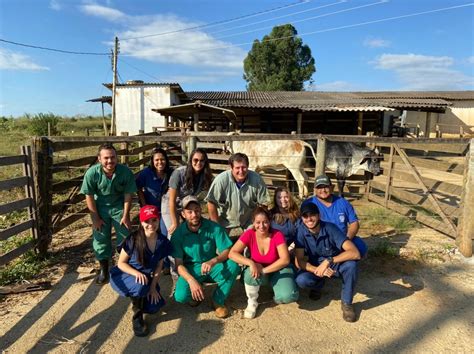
x: 418, y: 301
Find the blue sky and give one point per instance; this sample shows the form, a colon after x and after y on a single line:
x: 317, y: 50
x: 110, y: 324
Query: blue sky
x: 358, y: 45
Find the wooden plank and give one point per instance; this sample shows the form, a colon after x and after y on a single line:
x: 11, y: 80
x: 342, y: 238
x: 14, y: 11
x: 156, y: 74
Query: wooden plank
x: 70, y: 220
x: 432, y: 223
x: 7, y: 257
x: 65, y: 185
x: 222, y: 157
x: 80, y: 141
x: 30, y: 191
x: 416, y: 199
x: 16, y: 229
x: 389, y: 176
x: 16, y: 205
x: 422, y: 185
x: 13, y: 183
x: 83, y: 161
x: 441, y: 147
x: 139, y: 162
x: 456, y: 168
x: 12, y: 160
x: 140, y: 149
x: 466, y: 222
x: 56, y: 208
x: 207, y: 145
x: 432, y: 184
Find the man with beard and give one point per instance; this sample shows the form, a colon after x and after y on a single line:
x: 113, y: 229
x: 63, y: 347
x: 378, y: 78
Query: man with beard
x: 108, y: 187
x: 201, y: 248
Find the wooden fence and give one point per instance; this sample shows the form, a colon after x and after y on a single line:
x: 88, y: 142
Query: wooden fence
x: 62, y: 161
x: 28, y: 202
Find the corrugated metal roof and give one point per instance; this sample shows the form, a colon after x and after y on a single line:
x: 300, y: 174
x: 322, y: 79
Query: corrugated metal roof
x: 313, y: 101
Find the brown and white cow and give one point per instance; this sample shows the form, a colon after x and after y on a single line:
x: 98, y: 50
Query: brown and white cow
x: 276, y: 153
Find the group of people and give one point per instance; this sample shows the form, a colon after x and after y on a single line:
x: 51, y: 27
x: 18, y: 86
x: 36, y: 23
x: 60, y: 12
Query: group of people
x: 285, y: 247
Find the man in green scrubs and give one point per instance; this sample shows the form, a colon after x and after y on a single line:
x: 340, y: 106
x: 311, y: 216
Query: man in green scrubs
x: 108, y: 187
x: 201, y: 248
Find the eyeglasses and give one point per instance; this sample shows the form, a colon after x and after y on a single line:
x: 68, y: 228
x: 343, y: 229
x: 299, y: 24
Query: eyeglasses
x: 197, y: 160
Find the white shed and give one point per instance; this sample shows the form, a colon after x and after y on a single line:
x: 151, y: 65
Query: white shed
x: 135, y: 100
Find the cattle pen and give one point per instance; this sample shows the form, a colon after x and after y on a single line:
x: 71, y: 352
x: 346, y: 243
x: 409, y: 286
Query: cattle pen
x: 428, y: 179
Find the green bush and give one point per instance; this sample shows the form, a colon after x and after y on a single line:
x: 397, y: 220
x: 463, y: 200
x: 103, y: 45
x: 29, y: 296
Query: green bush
x: 39, y: 124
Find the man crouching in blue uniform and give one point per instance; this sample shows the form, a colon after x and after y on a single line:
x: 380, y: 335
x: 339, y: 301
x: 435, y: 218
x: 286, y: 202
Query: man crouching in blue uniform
x: 329, y: 253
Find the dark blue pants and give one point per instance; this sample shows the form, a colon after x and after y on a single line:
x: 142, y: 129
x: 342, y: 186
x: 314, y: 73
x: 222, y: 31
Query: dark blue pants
x: 125, y: 285
x: 347, y: 271
x: 361, y: 245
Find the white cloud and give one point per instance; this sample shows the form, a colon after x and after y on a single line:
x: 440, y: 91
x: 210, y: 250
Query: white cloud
x: 192, y: 47
x: 421, y: 72
x: 105, y: 12
x: 376, y: 43
x: 15, y: 61
x: 55, y: 5
x: 334, y: 86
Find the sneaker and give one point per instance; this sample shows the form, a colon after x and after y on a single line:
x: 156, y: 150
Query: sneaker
x: 139, y: 327
x: 315, y: 295
x: 348, y: 313
x: 221, y: 311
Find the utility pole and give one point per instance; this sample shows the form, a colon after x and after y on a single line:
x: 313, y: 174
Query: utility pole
x: 113, y: 123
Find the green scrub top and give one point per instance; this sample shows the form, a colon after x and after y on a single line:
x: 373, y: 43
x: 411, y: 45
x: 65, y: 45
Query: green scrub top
x: 199, y: 247
x: 108, y: 192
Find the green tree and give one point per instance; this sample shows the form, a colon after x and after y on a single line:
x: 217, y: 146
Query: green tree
x: 280, y: 62
x: 38, y: 125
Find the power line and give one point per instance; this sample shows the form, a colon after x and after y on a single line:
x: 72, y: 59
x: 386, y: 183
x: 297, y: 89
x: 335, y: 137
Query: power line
x: 278, y: 17
x: 309, y: 18
x: 328, y: 29
x: 216, y: 23
x: 51, y: 49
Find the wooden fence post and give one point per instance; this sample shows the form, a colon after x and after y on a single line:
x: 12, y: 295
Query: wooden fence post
x: 141, y: 154
x: 30, y: 189
x: 124, y: 146
x: 184, y: 153
x: 42, y: 167
x: 321, y: 157
x: 466, y: 221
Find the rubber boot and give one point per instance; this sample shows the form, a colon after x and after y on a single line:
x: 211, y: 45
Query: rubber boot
x: 138, y: 323
x: 103, y: 277
x: 252, y: 303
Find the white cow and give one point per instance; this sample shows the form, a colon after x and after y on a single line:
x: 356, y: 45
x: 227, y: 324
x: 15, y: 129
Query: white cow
x: 276, y: 153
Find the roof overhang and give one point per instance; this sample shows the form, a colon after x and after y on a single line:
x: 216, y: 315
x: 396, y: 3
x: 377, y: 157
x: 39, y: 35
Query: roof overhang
x: 185, y: 111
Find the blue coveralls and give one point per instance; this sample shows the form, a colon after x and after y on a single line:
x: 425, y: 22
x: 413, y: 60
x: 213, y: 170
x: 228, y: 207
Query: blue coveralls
x: 328, y: 243
x: 125, y: 284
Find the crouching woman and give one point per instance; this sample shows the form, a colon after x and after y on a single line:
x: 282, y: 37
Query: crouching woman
x: 268, y: 263
x: 139, y: 267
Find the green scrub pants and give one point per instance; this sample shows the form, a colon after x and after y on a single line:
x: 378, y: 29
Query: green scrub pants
x: 102, y: 240
x: 224, y: 274
x: 282, y: 282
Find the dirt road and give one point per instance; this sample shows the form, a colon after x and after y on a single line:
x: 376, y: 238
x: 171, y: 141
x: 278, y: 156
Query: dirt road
x: 421, y: 301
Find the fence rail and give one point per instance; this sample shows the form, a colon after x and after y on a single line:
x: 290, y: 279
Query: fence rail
x: 28, y: 203
x: 60, y: 163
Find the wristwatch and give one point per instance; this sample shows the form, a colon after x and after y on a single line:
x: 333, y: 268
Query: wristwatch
x: 330, y: 260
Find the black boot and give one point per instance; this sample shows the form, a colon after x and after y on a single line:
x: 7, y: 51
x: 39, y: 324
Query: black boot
x: 103, y: 277
x: 139, y: 326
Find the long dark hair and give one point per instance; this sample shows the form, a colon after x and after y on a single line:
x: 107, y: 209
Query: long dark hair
x: 139, y: 244
x: 168, y: 169
x: 206, y: 171
x: 261, y: 210
x: 293, y: 211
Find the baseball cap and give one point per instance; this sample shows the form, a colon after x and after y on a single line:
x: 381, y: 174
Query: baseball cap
x: 308, y: 208
x: 189, y: 199
x: 322, y: 180
x: 148, y: 212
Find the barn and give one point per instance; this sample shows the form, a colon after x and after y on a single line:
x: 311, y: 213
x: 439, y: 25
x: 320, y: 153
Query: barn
x: 145, y: 106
